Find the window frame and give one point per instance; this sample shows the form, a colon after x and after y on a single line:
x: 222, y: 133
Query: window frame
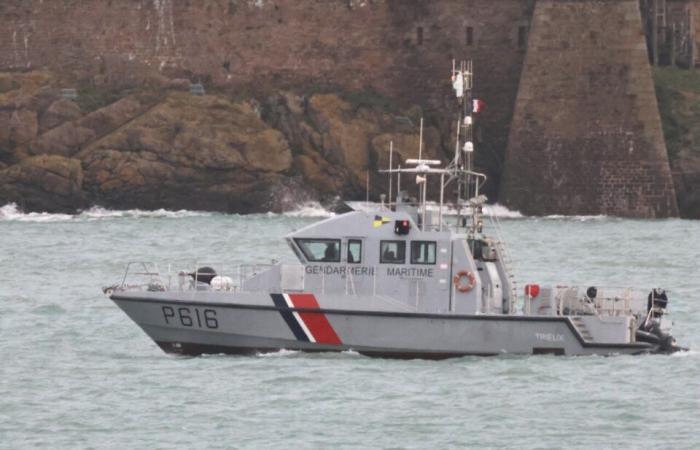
x: 310, y: 258
x: 413, y: 258
x: 347, y: 250
x: 391, y: 241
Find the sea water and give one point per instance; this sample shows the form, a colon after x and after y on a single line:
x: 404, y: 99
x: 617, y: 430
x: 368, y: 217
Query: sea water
x: 76, y: 372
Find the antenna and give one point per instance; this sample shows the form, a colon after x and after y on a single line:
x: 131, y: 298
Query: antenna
x: 420, y: 144
x: 459, y: 170
x: 459, y: 124
x: 391, y: 177
x: 398, y: 183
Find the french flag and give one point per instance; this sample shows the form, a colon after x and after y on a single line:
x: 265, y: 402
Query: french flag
x: 478, y: 106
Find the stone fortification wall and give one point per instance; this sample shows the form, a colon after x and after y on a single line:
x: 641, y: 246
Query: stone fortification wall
x: 399, y: 49
x: 586, y: 136
x: 347, y: 43
x: 678, y: 33
x: 695, y: 27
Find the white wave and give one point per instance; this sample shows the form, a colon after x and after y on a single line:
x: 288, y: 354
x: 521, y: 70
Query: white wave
x: 279, y: 354
x: 98, y: 212
x: 11, y: 212
x: 364, y: 206
x: 575, y: 218
x: 686, y: 354
x: 502, y: 212
x: 495, y: 209
x: 307, y: 209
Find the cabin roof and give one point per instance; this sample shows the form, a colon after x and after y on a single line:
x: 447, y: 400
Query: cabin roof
x: 378, y: 225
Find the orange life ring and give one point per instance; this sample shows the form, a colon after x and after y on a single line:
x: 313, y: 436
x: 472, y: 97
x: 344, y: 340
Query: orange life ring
x: 462, y: 287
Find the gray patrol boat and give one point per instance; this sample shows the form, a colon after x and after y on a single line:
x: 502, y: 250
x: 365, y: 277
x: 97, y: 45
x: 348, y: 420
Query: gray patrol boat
x: 406, y: 281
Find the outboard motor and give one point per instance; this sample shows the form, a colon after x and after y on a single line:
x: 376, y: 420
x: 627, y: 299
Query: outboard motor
x: 657, y: 302
x: 203, y: 275
x: 650, y: 329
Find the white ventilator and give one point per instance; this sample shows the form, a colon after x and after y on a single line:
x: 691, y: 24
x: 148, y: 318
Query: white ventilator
x: 220, y: 283
x: 458, y: 84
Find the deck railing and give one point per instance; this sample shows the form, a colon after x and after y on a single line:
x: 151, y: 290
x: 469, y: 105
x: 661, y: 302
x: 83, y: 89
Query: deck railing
x: 234, y: 278
x: 572, y: 301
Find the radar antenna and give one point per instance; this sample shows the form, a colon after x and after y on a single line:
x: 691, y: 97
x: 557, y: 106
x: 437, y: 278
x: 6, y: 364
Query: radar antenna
x: 469, y: 201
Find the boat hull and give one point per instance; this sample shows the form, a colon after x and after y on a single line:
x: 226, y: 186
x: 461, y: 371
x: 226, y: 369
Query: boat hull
x: 196, y: 327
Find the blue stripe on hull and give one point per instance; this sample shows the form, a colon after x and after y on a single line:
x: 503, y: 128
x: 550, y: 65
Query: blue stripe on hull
x: 288, y: 317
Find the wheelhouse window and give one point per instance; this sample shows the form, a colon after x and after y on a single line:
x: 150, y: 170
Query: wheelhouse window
x: 423, y: 252
x: 392, y: 252
x: 354, y: 251
x: 320, y: 250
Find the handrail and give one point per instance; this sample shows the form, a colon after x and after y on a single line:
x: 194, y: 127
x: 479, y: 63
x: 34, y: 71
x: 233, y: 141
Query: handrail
x: 606, y: 304
x: 154, y: 274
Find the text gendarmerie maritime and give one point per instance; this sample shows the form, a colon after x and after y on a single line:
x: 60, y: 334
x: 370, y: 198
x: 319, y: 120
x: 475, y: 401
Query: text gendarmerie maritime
x: 410, y: 272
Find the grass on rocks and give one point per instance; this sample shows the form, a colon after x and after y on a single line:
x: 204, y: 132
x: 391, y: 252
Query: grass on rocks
x: 678, y: 92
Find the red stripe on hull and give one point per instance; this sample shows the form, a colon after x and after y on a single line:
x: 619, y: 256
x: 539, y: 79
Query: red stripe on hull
x: 317, y: 323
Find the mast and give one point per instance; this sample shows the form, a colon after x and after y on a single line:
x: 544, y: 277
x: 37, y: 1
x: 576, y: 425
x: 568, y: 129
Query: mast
x: 468, y: 181
x: 460, y: 170
x: 391, y: 177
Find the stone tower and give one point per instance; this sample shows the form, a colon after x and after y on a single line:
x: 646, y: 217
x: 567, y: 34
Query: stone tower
x: 586, y: 135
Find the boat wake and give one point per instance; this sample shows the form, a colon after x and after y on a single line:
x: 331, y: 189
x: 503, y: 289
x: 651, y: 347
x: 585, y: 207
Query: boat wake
x: 283, y: 353
x: 686, y: 354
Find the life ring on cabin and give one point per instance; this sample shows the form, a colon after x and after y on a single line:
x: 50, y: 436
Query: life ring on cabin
x: 460, y: 277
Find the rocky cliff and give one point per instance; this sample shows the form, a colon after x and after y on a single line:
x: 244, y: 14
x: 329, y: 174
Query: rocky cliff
x: 302, y: 98
x: 167, y: 148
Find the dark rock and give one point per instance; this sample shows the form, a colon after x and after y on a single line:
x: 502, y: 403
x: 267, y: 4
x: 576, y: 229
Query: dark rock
x: 71, y: 137
x: 59, y: 112
x: 178, y: 84
x: 23, y: 126
x: 44, y: 183
x: 191, y: 152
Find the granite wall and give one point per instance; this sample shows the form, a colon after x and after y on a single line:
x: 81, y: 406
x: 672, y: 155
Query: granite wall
x: 586, y: 137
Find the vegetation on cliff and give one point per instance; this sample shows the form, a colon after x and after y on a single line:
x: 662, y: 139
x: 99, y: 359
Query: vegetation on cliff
x: 678, y: 93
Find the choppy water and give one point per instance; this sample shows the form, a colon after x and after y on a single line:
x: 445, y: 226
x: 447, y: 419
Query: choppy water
x: 77, y: 373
